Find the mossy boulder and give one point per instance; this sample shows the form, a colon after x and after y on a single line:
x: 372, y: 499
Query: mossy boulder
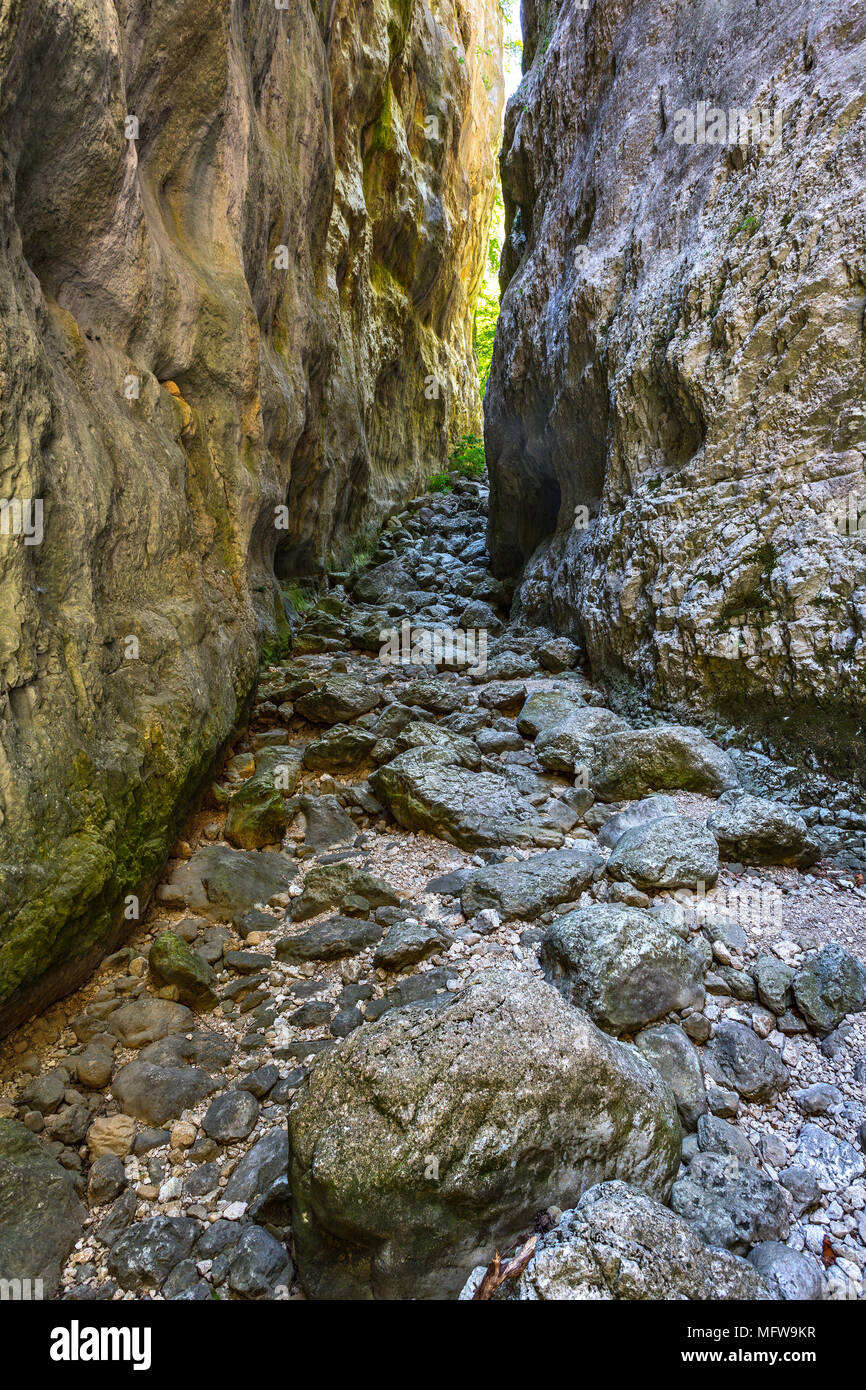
x: 669, y: 757
x: 41, y: 1217
x: 329, y: 884
x: 257, y: 814
x: 173, y: 963
x: 428, y: 1139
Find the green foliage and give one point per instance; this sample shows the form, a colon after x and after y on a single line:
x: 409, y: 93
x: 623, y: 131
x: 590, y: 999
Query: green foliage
x: 486, y: 316
x: 468, y: 458
x: 299, y: 598
x: 439, y: 482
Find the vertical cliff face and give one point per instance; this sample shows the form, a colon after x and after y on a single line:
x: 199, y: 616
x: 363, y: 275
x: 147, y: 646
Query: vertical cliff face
x: 239, y: 248
x: 675, y: 421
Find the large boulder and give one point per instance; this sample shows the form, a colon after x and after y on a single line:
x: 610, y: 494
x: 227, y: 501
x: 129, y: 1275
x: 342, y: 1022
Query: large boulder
x: 224, y: 883
x: 669, y: 757
x: 570, y: 744
x: 41, y: 1217
x: 545, y: 708
x: 755, y: 830
x: 337, y: 700
x: 671, y: 852
x: 731, y: 1204
x: 328, y: 884
x: 638, y: 813
x: 529, y: 887
x: 257, y: 813
x: 831, y: 985
x: 425, y: 1140
x: 620, y: 1244
x: 342, y: 748
x: 737, y: 1058
x: 427, y: 789
x: 622, y: 965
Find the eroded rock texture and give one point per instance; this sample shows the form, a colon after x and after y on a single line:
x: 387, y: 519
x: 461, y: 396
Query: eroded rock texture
x: 681, y: 352
x: 239, y: 303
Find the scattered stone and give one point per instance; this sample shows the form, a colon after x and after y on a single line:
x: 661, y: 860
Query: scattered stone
x: 738, y: 1058
x: 41, y: 1217
x: 671, y: 852
x: 730, y: 1204
x: 831, y: 985
x: 173, y: 963
x: 231, y: 1116
x: 787, y: 1274
x: 754, y: 830
x: 669, y: 757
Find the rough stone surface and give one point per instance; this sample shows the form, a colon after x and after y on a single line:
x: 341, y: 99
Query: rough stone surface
x: 731, y: 1204
x: 671, y: 852
x: 618, y: 1243
x: 621, y: 965
x: 787, y: 1274
x: 831, y: 985
x: 754, y: 830
x: 738, y: 1058
x: 518, y: 1097
x: 263, y: 281
x: 529, y: 887
x: 676, y: 1057
x: 680, y: 367
x: 40, y: 1216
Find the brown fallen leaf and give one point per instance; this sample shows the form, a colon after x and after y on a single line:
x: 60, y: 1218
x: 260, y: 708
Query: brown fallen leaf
x: 828, y: 1254
x: 497, y: 1272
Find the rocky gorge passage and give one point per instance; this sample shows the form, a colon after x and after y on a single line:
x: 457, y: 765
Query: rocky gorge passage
x: 454, y: 960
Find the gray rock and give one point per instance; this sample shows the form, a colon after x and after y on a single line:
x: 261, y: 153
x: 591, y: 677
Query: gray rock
x: 677, y: 1059
x: 716, y: 1136
x: 145, y: 1020
x: 329, y: 940
x: 774, y: 979
x: 224, y: 883
x: 834, y: 1162
x: 230, y: 1116
x: 671, y: 852
x: 106, y: 1179
x: 260, y: 1265
x: 731, y: 1204
x: 405, y: 944
x: 44, y: 1093
x: 154, y: 1093
x: 573, y: 742
x: 146, y: 1253
x: 326, y: 823
x: 620, y: 1244
x: 787, y: 1274
x: 41, y: 1217
x: 754, y: 830
x: 639, y: 813
x: 517, y: 1100
x: 342, y: 748
x: 738, y: 1058
x: 423, y: 733
x: 621, y: 965
x: 544, y: 708
x: 527, y: 888
x: 328, y: 884
x: 831, y: 985
x: 817, y: 1099
x: 94, y: 1067
x: 260, y: 1167
x: 803, y: 1187
x: 337, y: 700
x: 669, y: 757
x: 425, y: 789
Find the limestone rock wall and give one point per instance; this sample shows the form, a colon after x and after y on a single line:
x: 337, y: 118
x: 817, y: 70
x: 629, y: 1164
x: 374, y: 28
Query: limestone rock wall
x: 681, y: 353
x: 239, y: 246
